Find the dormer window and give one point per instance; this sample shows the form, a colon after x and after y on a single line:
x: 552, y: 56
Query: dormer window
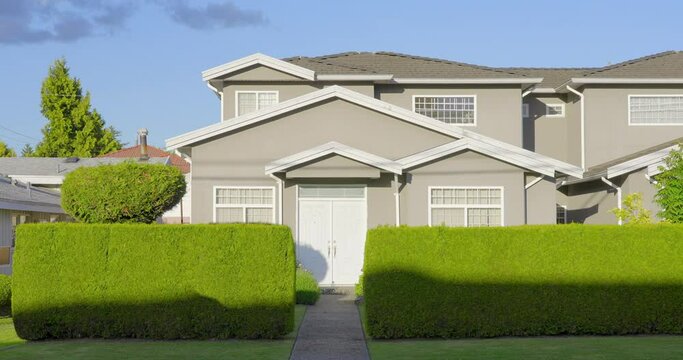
x: 250, y: 101
x: 451, y: 109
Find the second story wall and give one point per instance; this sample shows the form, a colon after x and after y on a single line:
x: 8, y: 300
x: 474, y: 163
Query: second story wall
x: 608, y: 132
x: 557, y: 136
x: 498, y: 108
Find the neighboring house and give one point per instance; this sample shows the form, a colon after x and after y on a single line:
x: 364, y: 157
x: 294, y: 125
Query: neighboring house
x: 336, y: 144
x: 22, y: 203
x: 181, y: 213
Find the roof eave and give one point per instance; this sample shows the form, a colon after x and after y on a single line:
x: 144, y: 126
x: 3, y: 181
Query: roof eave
x: 258, y: 59
x: 468, y: 80
x: 627, y: 81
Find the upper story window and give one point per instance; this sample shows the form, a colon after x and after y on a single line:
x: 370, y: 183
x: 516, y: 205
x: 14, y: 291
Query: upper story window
x: 554, y: 110
x: 451, y: 109
x: 655, y: 109
x: 250, y: 101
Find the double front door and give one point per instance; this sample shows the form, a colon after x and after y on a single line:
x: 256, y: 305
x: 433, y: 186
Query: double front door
x: 332, y: 227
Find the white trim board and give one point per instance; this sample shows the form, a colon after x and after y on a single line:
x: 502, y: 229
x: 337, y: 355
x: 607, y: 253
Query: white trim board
x: 438, y: 152
x: 627, y: 80
x: 339, y: 92
x: 258, y: 59
x: 333, y: 147
x: 652, y: 161
x: 468, y: 81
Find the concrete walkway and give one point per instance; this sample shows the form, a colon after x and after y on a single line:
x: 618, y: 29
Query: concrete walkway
x: 331, y: 330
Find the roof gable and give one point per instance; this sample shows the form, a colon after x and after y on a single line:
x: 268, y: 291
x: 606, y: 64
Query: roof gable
x: 336, y: 149
x: 254, y: 60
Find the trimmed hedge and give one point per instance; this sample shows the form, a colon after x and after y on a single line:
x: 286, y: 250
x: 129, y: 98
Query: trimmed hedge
x: 153, y: 281
x: 523, y: 281
x: 307, y: 290
x: 128, y: 192
x: 5, y: 294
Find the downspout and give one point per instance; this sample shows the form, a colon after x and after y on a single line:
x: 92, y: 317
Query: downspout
x: 618, y: 189
x: 219, y: 94
x: 279, y: 197
x: 583, y: 126
x: 397, y: 199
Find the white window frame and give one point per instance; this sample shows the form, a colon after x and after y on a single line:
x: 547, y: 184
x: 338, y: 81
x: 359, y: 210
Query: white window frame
x: 547, y: 114
x: 474, y: 98
x: 243, y: 206
x: 564, y: 207
x: 500, y: 206
x: 525, y: 111
x: 628, y: 108
x: 257, y: 92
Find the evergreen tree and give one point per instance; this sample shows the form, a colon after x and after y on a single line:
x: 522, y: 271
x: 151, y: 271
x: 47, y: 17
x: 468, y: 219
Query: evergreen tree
x: 27, y: 151
x: 73, y: 129
x: 6, y: 151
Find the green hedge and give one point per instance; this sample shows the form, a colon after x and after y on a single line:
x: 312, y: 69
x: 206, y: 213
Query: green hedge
x: 524, y: 281
x: 5, y: 294
x: 307, y: 290
x: 153, y: 281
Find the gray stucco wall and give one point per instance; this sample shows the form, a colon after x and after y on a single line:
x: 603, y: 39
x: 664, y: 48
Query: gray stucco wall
x: 464, y: 169
x: 636, y: 182
x: 240, y: 158
x: 540, y: 200
x: 557, y: 137
x: 498, y: 108
x: 608, y: 134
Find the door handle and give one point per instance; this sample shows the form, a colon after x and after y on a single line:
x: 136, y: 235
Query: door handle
x: 335, y: 249
x: 329, y: 247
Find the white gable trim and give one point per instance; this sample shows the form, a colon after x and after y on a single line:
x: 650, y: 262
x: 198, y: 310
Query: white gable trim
x: 258, y: 59
x: 339, y: 92
x: 333, y: 148
x: 652, y: 161
x: 534, y: 164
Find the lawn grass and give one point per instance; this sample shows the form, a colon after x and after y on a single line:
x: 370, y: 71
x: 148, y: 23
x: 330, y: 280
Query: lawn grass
x: 143, y: 349
x: 660, y: 347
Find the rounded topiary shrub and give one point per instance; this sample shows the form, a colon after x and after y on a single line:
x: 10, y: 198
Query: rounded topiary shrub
x: 5, y: 292
x: 122, y: 193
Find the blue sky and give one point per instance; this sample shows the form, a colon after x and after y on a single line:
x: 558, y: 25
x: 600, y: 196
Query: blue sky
x: 141, y: 60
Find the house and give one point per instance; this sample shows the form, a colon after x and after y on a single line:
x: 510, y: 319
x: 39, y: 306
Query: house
x: 181, y: 213
x: 22, y: 203
x: 336, y: 144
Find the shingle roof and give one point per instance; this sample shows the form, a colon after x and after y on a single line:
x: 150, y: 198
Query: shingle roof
x: 153, y: 152
x: 662, y: 65
x: 19, y: 193
x: 36, y: 166
x: 667, y: 64
x: 399, y: 65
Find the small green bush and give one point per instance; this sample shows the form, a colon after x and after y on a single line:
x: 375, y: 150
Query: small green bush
x: 359, y: 287
x: 524, y: 281
x: 307, y: 290
x: 153, y: 281
x: 122, y: 193
x: 5, y: 293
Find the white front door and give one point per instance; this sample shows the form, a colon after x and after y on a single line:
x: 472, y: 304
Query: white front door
x: 332, y: 227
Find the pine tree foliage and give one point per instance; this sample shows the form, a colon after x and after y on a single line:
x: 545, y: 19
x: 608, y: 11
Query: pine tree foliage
x: 6, y: 151
x: 73, y: 128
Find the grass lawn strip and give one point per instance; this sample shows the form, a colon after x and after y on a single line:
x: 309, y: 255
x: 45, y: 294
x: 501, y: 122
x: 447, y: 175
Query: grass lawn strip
x: 143, y: 349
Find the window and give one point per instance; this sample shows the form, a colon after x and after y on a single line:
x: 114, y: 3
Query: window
x: 244, y: 204
x: 554, y: 110
x: 655, y: 109
x: 525, y: 110
x: 466, y: 206
x: 561, y: 214
x: 250, y: 101
x: 331, y: 191
x: 5, y: 255
x: 459, y: 110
